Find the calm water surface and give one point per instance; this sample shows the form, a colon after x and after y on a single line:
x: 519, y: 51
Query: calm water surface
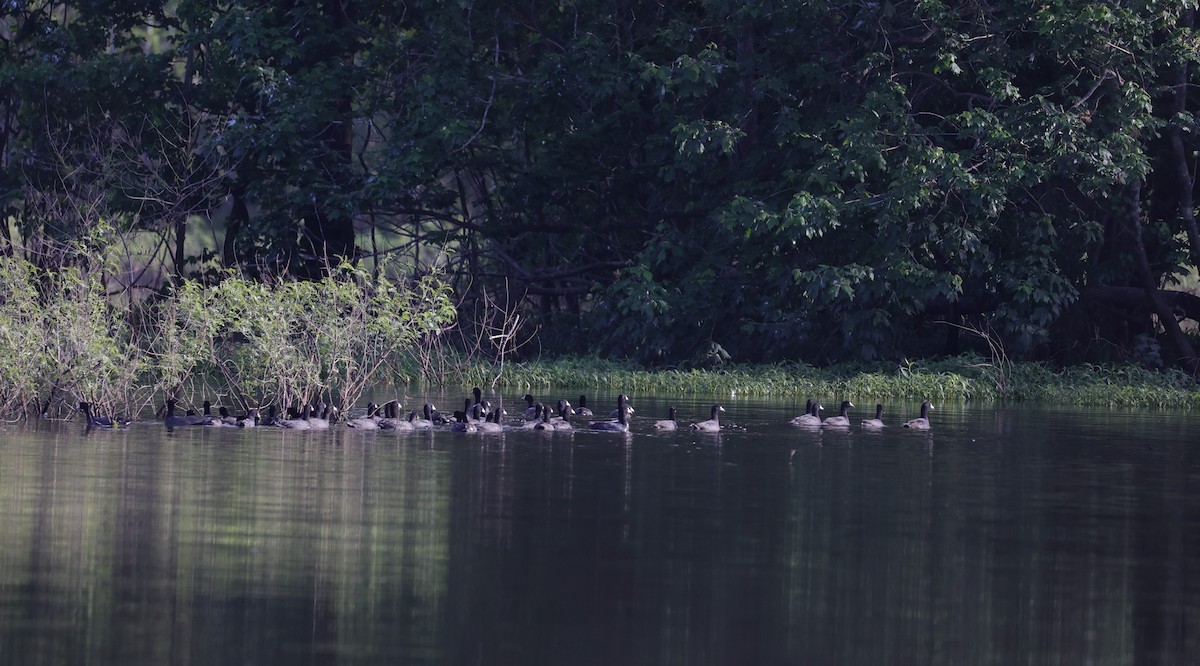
x: 1004, y: 536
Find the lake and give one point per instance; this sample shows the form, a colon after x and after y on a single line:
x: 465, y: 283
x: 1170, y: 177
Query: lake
x: 1006, y: 534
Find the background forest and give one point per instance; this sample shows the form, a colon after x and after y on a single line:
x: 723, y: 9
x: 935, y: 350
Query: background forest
x: 816, y: 181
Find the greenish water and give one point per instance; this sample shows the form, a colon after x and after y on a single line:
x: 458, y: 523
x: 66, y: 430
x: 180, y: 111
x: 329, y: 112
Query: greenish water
x: 1003, y: 536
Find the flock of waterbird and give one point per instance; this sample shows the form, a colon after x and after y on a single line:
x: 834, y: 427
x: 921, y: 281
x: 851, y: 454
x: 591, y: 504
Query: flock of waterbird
x: 479, y: 415
x: 811, y: 418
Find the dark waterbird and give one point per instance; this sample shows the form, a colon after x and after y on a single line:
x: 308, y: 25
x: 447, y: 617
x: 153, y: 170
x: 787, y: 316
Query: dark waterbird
x: 368, y: 421
x: 462, y: 422
x: 391, y: 417
x: 171, y: 419
x: 669, y: 423
x: 875, y: 423
x: 810, y: 417
x: 297, y: 419
x: 713, y: 424
x: 842, y: 419
x: 95, y: 421
x: 427, y: 421
x: 922, y: 421
x: 494, y: 421
x: 622, y: 422
x: 582, y: 409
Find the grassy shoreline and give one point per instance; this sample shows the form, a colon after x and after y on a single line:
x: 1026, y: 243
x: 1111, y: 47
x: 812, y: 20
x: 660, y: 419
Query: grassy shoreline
x: 957, y: 379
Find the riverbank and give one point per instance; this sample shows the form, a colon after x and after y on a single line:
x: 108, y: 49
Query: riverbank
x: 962, y: 379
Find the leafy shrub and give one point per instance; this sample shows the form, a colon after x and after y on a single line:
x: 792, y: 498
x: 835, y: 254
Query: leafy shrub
x: 292, y: 341
x: 272, y: 341
x: 91, y: 350
x: 22, y: 337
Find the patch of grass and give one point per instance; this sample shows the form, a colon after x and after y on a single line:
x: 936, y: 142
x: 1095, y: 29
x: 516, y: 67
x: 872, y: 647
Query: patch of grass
x: 957, y: 379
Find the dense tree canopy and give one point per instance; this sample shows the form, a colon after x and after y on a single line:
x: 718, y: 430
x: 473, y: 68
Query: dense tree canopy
x: 774, y: 179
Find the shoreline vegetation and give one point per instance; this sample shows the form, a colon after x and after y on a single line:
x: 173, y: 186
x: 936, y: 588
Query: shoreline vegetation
x: 253, y: 343
x: 967, y: 378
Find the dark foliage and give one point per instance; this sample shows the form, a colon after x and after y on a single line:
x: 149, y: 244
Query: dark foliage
x: 657, y: 181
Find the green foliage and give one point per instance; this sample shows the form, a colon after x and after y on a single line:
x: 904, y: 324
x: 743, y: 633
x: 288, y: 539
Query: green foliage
x: 90, y: 347
x: 813, y: 181
x: 64, y: 342
x: 287, y: 341
x: 265, y: 341
x: 22, y: 337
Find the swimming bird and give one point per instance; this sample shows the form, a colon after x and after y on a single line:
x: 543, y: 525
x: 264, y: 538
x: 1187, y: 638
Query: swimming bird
x: 391, y: 418
x: 529, y: 400
x: 427, y: 421
x: 94, y: 421
x: 200, y: 419
x: 222, y: 421
x: 440, y: 418
x: 669, y: 423
x: 842, y: 419
x: 480, y: 408
x: 480, y: 411
x: 463, y: 423
x: 333, y: 415
x: 563, y: 421
x: 713, y: 424
x: 582, y: 409
x: 297, y: 419
x: 368, y: 421
x: 170, y: 419
x: 921, y: 422
x: 622, y: 400
x: 545, y: 417
x: 536, y: 420
x: 807, y: 407
x: 270, y: 419
x: 554, y: 421
x: 620, y: 425
x: 319, y: 419
x: 226, y: 417
x: 810, y: 417
x: 467, y: 415
x: 250, y: 420
x: 877, y: 422
x: 493, y: 423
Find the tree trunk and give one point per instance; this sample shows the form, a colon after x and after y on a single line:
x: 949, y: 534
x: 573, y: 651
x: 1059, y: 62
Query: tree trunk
x: 239, y: 217
x: 1183, y: 174
x: 6, y: 234
x: 1178, y: 341
x: 1134, y: 298
x: 1181, y: 170
x: 177, y: 254
x: 747, y: 67
x: 330, y: 232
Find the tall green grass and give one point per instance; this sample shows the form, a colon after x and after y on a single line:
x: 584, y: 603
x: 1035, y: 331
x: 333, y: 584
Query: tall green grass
x: 957, y: 379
